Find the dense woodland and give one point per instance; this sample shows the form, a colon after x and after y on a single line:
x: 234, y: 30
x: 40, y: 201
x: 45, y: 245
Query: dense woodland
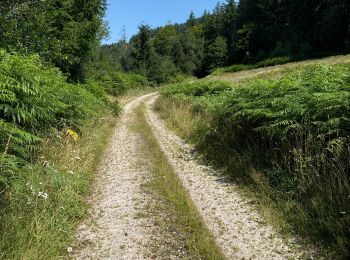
x: 245, y: 32
x: 63, y: 33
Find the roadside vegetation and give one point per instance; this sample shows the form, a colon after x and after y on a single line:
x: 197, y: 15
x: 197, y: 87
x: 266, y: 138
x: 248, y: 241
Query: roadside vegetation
x: 182, y: 216
x: 52, y: 135
x: 286, y: 138
x: 56, y: 115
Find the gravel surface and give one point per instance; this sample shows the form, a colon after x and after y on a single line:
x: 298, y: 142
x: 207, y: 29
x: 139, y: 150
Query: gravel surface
x: 118, y: 226
x: 237, y: 227
x: 114, y: 229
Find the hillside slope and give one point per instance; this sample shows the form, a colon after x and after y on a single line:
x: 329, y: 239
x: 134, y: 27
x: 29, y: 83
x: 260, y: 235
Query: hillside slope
x: 283, y: 132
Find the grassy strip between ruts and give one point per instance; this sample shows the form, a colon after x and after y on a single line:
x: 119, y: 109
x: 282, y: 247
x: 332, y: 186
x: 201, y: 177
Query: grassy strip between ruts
x: 183, y: 214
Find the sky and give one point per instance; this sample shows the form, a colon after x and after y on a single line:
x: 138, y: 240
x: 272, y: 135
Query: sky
x: 131, y: 13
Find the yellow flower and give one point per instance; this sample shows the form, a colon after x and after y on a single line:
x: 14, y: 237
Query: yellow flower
x: 72, y: 134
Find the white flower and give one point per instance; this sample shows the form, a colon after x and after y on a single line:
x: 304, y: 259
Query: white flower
x: 69, y: 249
x: 43, y: 195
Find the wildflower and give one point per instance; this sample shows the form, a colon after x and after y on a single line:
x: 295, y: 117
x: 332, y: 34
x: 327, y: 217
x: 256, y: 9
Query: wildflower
x: 30, y: 187
x: 45, y: 163
x: 69, y: 249
x: 72, y: 134
x: 43, y: 195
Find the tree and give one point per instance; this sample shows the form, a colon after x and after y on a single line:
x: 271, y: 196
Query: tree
x: 191, y: 20
x: 164, y: 40
x: 188, y: 54
x: 141, y: 49
x: 229, y: 31
x: 63, y: 32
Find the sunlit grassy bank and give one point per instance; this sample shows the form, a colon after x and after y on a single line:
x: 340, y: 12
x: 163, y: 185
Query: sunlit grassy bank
x: 285, y: 137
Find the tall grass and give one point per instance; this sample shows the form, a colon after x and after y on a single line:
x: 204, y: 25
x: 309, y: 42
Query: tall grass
x: 294, y: 130
x: 34, y: 226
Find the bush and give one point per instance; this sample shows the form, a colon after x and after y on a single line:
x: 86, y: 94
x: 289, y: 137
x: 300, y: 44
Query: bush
x: 262, y: 64
x: 272, y: 62
x: 51, y: 135
x: 117, y: 83
x: 35, y: 100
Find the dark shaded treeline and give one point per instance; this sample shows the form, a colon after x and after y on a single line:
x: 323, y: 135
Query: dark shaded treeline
x: 244, y: 32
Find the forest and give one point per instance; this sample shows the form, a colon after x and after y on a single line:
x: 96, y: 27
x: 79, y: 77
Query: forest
x: 247, y: 32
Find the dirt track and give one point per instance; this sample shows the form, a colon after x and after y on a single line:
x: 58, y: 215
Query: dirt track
x: 114, y: 230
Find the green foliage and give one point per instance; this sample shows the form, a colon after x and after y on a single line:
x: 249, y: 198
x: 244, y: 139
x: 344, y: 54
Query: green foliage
x: 162, y: 70
x: 34, y: 100
x: 45, y: 201
x: 295, y: 130
x: 217, y: 53
x: 62, y: 32
x: 261, y: 64
x: 272, y: 62
x: 235, y: 32
x: 197, y: 90
x: 44, y: 172
x: 116, y: 82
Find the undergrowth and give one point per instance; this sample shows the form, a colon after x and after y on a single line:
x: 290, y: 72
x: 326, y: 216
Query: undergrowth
x: 293, y: 131
x: 117, y: 82
x: 261, y: 64
x: 52, y: 134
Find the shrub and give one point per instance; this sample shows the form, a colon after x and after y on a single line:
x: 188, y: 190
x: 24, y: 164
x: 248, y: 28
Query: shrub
x: 261, y: 64
x: 272, y: 62
x: 35, y: 100
x: 116, y: 82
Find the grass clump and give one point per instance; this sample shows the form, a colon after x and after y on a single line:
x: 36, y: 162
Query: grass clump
x: 184, y: 216
x: 295, y: 131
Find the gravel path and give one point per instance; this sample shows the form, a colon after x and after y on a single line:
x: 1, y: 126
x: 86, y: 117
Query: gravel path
x: 238, y: 228
x: 114, y: 229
